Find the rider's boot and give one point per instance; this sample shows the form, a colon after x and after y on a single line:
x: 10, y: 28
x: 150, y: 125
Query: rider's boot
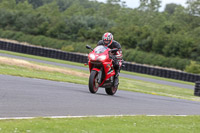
x: 116, y: 82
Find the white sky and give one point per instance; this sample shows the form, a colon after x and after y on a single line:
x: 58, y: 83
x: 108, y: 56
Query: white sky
x: 135, y: 3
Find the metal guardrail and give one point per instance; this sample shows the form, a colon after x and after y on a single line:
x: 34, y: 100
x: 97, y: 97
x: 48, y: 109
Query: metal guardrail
x: 58, y: 54
x: 197, y: 88
x: 42, y: 51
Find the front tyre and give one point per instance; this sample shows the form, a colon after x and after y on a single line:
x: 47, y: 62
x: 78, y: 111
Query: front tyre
x: 93, y: 84
x: 112, y: 90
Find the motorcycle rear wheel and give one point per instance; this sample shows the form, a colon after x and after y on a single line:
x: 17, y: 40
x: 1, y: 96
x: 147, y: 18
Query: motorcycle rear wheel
x: 112, y: 90
x: 93, y: 84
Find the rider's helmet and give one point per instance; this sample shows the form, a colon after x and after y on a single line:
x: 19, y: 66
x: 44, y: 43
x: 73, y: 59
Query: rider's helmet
x: 107, y: 39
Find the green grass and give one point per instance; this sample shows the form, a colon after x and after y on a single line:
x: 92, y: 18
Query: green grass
x: 79, y: 64
x: 126, y: 124
x: 157, y: 89
x: 32, y: 73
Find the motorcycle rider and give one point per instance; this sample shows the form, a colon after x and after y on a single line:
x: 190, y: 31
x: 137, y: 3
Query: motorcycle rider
x: 107, y: 40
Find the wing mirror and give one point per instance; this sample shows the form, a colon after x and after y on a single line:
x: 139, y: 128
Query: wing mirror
x: 89, y: 47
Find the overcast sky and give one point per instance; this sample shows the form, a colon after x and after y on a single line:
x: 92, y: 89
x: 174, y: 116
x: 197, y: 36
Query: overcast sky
x: 135, y: 3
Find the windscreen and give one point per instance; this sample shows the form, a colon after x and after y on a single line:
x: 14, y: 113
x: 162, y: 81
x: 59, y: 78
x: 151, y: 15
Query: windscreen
x: 100, y: 49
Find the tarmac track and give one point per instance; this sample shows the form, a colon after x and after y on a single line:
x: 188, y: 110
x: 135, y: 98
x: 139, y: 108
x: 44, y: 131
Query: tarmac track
x: 27, y: 97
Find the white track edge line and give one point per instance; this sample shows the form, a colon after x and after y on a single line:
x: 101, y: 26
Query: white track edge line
x: 56, y: 117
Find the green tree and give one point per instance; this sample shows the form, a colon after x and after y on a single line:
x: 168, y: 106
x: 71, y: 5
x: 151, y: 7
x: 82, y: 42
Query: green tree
x: 194, y: 7
x: 8, y: 4
x: 36, y: 3
x: 194, y: 67
x: 24, y: 6
x: 152, y: 5
x: 170, y: 8
x: 179, y: 45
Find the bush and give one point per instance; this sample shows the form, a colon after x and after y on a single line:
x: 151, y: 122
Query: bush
x: 194, y: 67
x: 36, y: 40
x: 80, y: 47
x: 69, y: 48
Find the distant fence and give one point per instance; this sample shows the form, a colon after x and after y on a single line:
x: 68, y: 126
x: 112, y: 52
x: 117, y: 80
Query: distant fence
x: 81, y: 58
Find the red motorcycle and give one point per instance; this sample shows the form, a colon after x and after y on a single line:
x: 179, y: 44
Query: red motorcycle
x: 101, y: 69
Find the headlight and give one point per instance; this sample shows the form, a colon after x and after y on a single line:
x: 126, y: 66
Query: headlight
x: 92, y: 56
x: 103, y: 57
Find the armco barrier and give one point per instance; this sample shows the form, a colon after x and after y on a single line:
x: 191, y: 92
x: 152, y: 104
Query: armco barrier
x: 81, y: 58
x: 161, y: 72
x: 197, y: 89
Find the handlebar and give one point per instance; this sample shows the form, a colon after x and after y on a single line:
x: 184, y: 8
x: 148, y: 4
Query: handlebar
x: 113, y: 50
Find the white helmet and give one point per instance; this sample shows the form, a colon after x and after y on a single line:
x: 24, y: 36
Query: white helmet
x: 107, y: 39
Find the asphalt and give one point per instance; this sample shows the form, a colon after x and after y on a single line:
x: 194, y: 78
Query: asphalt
x: 27, y: 97
x: 163, y: 82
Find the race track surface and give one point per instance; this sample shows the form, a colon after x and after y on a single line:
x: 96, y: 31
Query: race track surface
x: 121, y: 74
x: 27, y: 97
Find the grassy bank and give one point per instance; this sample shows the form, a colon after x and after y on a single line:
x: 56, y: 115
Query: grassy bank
x: 15, y: 67
x: 139, y: 124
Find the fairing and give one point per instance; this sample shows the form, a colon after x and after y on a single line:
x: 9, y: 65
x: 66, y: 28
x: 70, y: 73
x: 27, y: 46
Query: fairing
x: 96, y: 64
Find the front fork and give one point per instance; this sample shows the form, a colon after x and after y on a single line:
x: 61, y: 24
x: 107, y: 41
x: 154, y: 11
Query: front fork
x: 99, y: 76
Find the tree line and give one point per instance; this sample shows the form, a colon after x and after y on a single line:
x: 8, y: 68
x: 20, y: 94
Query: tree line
x: 172, y: 33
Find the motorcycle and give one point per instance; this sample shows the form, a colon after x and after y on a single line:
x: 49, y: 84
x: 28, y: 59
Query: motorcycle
x: 101, y: 69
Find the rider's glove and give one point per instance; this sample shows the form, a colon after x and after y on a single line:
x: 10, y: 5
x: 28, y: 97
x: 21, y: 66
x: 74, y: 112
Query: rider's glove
x: 113, y: 57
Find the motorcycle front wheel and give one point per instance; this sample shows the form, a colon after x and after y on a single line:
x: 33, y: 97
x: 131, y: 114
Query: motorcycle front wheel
x: 93, y: 84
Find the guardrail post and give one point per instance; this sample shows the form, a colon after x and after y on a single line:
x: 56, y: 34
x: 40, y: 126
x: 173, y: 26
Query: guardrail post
x: 197, y: 88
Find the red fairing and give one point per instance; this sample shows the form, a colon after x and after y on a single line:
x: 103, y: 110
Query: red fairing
x: 95, y: 69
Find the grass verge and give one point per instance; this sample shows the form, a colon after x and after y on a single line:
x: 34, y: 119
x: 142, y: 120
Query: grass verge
x: 15, y: 67
x: 79, y: 64
x: 139, y: 124
x: 157, y: 89
x: 9, y: 66
x: 42, y: 58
